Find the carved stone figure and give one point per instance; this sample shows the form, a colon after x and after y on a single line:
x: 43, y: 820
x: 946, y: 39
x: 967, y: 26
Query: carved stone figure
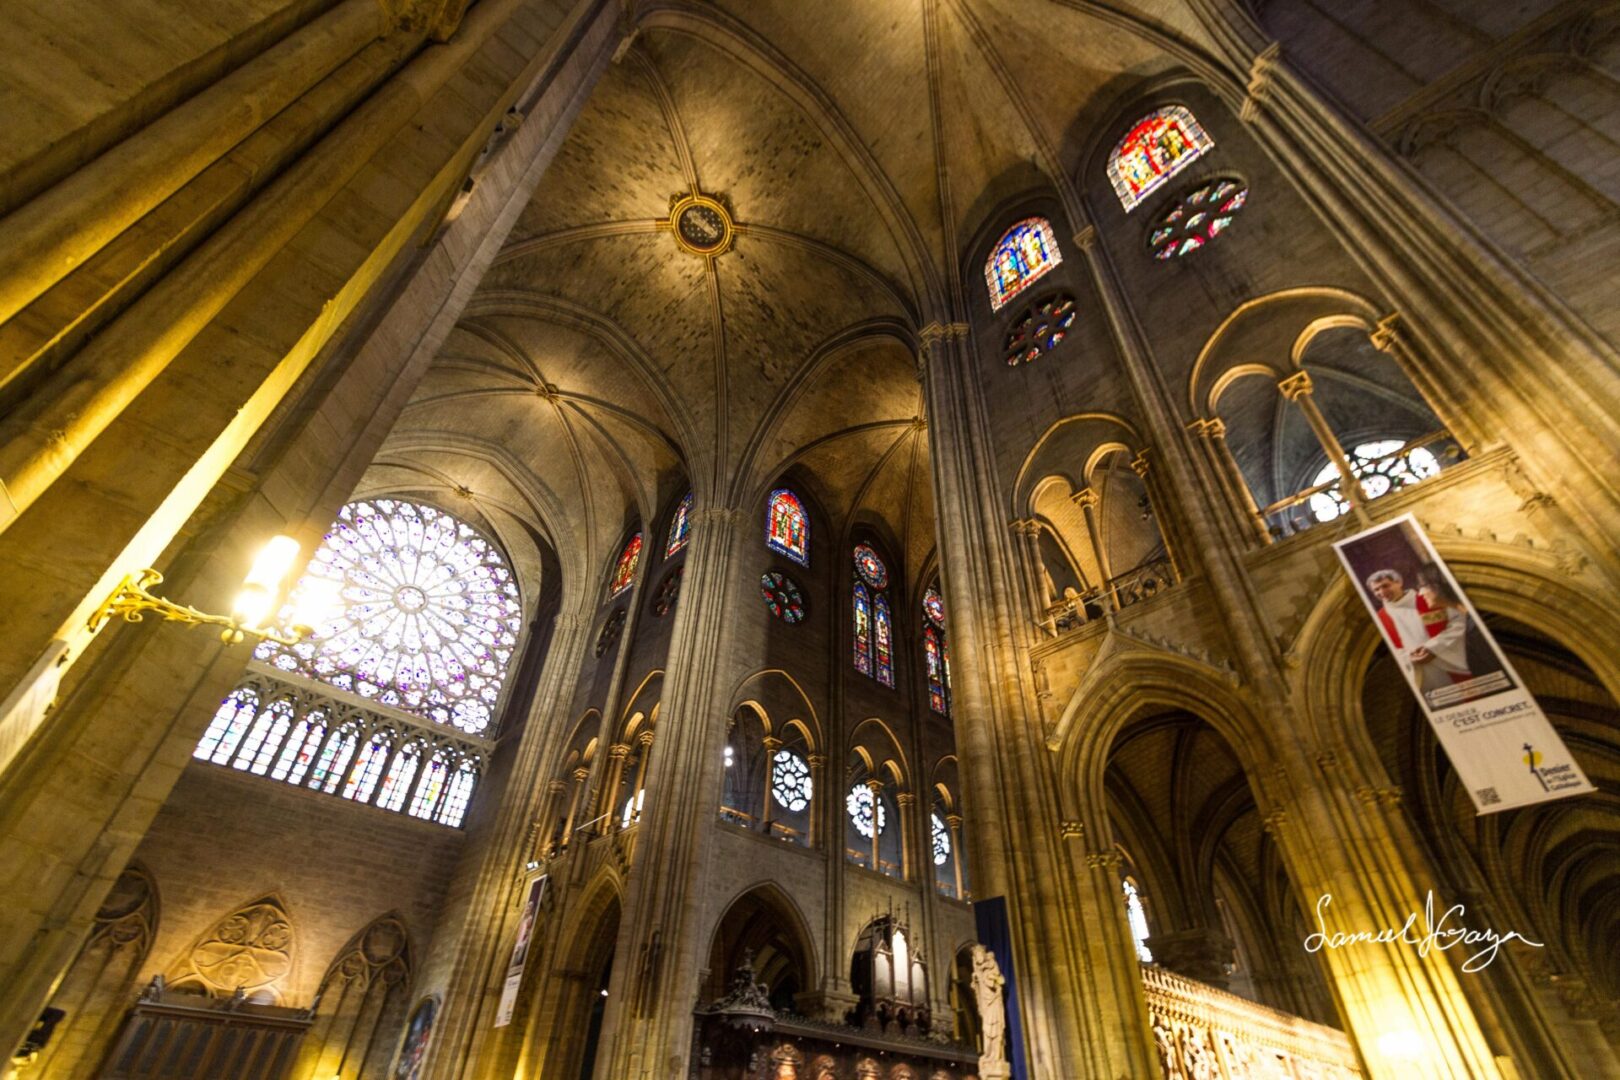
x: 988, y: 989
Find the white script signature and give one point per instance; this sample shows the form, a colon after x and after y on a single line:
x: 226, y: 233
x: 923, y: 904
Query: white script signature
x: 1431, y: 934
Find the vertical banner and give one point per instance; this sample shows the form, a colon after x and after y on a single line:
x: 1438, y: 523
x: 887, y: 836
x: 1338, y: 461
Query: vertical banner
x: 1499, y: 741
x: 520, y: 951
x: 995, y: 934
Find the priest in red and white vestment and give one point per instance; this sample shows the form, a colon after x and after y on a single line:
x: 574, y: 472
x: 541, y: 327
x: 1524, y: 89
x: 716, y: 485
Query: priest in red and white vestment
x: 1427, y: 638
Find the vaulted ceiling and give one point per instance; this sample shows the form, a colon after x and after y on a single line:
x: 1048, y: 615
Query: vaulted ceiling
x: 859, y: 148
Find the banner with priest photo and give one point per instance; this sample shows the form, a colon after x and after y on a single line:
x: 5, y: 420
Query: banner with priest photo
x: 1500, y: 742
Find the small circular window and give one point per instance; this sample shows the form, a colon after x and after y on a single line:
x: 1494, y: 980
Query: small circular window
x: 1040, y: 328
x: 782, y: 596
x: 668, y: 590
x: 1198, y: 217
x: 610, y: 632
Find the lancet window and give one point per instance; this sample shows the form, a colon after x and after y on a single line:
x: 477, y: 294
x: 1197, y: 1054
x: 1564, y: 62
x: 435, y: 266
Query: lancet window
x: 1136, y: 915
x: 787, y: 526
x: 680, y: 526
x: 624, y: 569
x: 873, y: 625
x: 1157, y: 147
x: 1024, y: 254
x: 936, y: 654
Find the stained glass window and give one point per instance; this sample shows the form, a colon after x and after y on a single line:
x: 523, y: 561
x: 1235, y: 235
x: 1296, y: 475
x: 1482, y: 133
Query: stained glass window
x: 680, y: 527
x: 363, y: 774
x: 1197, y: 217
x: 298, y: 752
x: 1041, y: 327
x: 882, y: 640
x: 934, y: 606
x: 1160, y: 145
x: 863, y: 629
x: 455, y: 800
x: 942, y: 840
x: 1024, y: 253
x: 624, y: 571
x: 1380, y: 468
x: 870, y: 567
x: 1137, y: 917
x: 396, y: 784
x: 787, y: 526
x: 230, y: 721
x: 668, y: 590
x: 782, y: 596
x: 790, y: 781
x: 429, y: 618
x: 934, y: 661
x: 610, y: 631
x: 859, y: 804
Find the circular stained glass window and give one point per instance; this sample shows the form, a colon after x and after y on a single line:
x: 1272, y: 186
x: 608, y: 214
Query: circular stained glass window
x: 790, y: 781
x: 934, y: 606
x: 1198, y: 217
x: 1040, y: 328
x: 942, y: 840
x: 428, y: 617
x: 610, y: 632
x: 668, y: 590
x: 870, y: 567
x: 782, y: 596
x: 859, y: 804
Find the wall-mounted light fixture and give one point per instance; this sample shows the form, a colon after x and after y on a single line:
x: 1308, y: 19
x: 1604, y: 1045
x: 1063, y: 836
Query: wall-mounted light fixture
x: 257, y: 601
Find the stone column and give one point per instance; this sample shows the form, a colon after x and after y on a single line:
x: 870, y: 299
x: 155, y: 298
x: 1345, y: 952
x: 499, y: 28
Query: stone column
x: 954, y: 823
x: 1086, y: 499
x: 1250, y: 522
x: 906, y: 803
x: 645, y: 741
x: 581, y: 775
x: 1391, y: 338
x: 1142, y: 466
x: 615, y: 778
x: 1029, y: 547
x: 1297, y: 388
x: 661, y: 948
x: 1079, y: 1020
x: 818, y: 792
x: 548, y: 815
x: 772, y: 744
x: 875, y: 786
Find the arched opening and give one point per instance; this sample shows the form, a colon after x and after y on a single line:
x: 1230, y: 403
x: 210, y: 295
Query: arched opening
x: 762, y: 932
x: 1202, y: 884
x: 1547, y: 870
x: 580, y: 1001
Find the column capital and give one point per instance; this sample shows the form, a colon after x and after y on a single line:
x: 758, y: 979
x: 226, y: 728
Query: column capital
x: 906, y: 798
x: 1104, y: 860
x: 645, y: 738
x: 934, y: 334
x: 619, y: 751
x: 1296, y: 386
x: 1389, y: 334
x: 1025, y: 527
x: 771, y: 743
x: 1209, y: 427
x: 954, y: 820
x: 557, y: 787
x: 1140, y: 463
x: 1072, y: 830
x: 875, y: 786
x: 717, y: 515
x: 1085, y: 497
x: 1086, y: 238
x: 1260, y: 76
x: 582, y: 774
x: 816, y: 761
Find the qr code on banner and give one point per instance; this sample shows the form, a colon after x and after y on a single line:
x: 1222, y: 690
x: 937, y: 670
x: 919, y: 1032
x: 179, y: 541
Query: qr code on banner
x: 1487, y: 796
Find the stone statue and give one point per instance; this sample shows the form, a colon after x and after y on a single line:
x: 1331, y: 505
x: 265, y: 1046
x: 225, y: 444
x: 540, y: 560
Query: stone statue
x: 988, y: 987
